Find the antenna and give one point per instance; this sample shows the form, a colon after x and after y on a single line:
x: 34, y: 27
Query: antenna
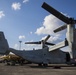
x: 20, y: 45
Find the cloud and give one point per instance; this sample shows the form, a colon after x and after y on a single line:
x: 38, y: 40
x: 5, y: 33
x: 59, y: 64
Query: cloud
x: 1, y: 14
x: 16, y: 46
x: 16, y: 6
x: 31, y: 32
x: 19, y: 46
x: 53, y: 39
x: 25, y: 1
x: 32, y: 46
x: 49, y: 24
x: 21, y: 37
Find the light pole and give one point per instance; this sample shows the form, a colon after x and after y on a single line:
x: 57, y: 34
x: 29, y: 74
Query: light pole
x: 20, y: 45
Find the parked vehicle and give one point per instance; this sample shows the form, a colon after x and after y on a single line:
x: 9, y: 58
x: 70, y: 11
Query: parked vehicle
x: 13, y: 59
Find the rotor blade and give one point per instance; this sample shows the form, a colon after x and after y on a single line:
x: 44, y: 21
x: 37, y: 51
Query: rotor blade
x: 60, y: 28
x: 49, y: 43
x: 46, y: 38
x: 33, y: 42
x: 56, y: 13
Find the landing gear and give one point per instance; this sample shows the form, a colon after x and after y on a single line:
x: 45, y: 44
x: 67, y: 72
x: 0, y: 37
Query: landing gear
x: 39, y: 64
x: 12, y: 63
x: 57, y: 67
x: 43, y: 65
x: 75, y: 64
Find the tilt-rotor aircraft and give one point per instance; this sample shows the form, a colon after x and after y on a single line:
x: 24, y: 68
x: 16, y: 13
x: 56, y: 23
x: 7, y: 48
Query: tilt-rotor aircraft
x: 48, y: 55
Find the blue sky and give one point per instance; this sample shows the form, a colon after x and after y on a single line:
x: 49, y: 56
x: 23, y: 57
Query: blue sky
x: 26, y: 20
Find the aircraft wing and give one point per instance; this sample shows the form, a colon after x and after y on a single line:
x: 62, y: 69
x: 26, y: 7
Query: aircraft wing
x: 59, y: 45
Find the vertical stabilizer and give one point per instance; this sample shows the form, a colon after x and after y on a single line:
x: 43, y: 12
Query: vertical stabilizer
x: 3, y: 44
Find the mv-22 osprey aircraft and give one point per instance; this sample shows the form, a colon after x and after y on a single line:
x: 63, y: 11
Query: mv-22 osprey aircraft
x: 48, y: 55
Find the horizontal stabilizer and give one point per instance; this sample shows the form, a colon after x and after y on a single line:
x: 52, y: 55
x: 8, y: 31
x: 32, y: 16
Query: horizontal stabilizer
x: 56, y: 13
x: 59, y: 45
x: 60, y: 28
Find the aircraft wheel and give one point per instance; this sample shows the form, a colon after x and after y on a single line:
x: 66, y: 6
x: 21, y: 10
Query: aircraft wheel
x: 75, y: 64
x: 57, y: 67
x: 21, y: 64
x: 8, y: 63
x: 39, y: 64
x: 12, y: 63
x: 45, y: 65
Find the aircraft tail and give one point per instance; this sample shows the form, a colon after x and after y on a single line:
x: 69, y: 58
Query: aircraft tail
x: 4, y: 48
